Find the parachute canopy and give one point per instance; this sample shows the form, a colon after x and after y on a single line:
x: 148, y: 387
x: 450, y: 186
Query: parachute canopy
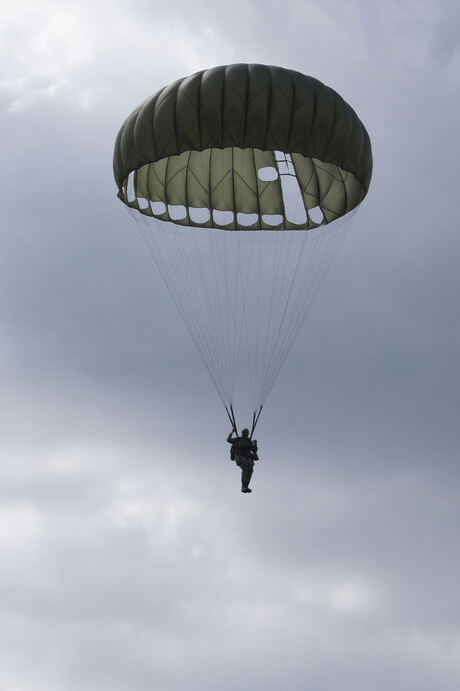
x: 226, y: 140
x: 245, y: 148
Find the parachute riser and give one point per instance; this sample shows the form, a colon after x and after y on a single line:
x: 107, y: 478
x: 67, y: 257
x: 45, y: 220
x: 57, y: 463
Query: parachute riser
x: 255, y: 420
x: 231, y: 417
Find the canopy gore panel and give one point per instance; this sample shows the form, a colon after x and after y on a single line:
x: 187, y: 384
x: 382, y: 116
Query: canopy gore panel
x: 203, y: 143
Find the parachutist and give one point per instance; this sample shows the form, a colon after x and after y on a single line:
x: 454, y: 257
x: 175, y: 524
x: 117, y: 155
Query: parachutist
x: 244, y: 453
x: 219, y: 150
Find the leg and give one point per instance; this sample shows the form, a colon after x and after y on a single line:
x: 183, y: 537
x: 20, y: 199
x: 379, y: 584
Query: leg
x: 246, y: 473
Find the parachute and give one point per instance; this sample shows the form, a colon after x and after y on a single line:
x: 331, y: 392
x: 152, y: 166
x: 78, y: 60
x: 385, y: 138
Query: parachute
x: 234, y: 174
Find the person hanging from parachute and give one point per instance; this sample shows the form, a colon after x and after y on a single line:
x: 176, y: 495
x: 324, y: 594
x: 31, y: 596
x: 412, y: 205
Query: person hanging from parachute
x: 244, y: 451
x: 231, y: 154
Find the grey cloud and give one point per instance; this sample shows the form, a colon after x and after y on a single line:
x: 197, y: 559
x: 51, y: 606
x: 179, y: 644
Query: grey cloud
x: 130, y: 560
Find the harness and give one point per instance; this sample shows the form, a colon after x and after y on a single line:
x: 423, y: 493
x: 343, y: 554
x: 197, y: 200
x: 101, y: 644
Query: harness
x: 242, y: 447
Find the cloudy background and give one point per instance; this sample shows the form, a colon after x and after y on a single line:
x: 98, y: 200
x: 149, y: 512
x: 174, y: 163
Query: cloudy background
x: 129, y: 560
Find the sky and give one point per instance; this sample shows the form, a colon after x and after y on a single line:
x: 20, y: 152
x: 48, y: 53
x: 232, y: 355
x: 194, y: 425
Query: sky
x: 129, y: 558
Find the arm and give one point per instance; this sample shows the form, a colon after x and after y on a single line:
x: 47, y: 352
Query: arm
x: 230, y: 438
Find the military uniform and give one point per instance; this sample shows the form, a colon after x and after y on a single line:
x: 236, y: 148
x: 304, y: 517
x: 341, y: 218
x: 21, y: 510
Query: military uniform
x: 243, y: 452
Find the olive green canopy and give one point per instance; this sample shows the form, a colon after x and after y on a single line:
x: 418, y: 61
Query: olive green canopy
x: 203, y: 143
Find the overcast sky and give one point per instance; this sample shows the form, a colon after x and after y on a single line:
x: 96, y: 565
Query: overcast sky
x: 129, y: 559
